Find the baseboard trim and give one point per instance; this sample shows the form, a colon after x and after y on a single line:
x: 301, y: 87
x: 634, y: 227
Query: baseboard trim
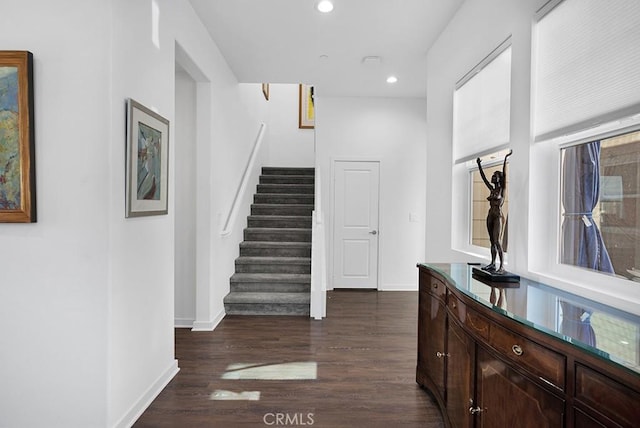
x: 208, y: 325
x: 183, y: 322
x: 147, y: 398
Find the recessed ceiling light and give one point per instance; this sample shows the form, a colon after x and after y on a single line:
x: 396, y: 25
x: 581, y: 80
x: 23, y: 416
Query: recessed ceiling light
x: 392, y: 79
x: 324, y: 6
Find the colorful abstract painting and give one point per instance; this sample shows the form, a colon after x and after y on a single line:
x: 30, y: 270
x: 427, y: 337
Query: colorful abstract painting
x: 17, y: 142
x: 149, y: 162
x: 306, y: 110
x: 10, y: 196
x: 147, y: 173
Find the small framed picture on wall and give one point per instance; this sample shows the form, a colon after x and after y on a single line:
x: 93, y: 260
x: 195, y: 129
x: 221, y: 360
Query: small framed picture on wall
x: 17, y: 138
x: 306, y: 110
x: 147, y: 178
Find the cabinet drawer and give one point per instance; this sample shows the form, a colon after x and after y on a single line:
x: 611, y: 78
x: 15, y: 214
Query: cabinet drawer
x: 474, y: 322
x: 436, y: 288
x: 432, y: 285
x: 544, y: 363
x: 606, y: 396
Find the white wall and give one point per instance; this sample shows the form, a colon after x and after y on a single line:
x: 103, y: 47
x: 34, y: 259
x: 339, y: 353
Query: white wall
x: 393, y: 131
x: 288, y: 145
x: 142, y: 249
x: 54, y: 273
x: 185, y: 197
x: 477, y: 29
x: 87, y: 296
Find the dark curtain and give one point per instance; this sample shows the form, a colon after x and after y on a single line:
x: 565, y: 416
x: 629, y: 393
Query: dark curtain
x: 582, y: 243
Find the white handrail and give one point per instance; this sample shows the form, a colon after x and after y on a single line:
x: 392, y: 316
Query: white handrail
x: 233, y: 211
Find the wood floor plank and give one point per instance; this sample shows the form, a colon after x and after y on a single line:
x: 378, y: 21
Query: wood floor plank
x: 365, y: 355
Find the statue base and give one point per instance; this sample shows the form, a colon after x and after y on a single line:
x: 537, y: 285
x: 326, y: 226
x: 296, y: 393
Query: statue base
x: 493, y: 276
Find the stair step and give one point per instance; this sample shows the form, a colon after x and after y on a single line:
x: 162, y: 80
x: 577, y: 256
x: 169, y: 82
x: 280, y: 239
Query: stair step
x: 273, y: 272
x: 257, y: 303
x: 275, y: 249
x: 251, y: 264
x: 269, y: 170
x: 302, y: 222
x: 270, y: 282
x: 292, y: 189
x: 277, y: 234
x: 281, y: 209
x: 287, y: 179
x: 283, y: 198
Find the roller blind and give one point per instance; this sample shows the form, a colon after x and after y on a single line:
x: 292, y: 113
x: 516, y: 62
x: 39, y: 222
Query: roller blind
x: 586, y: 66
x: 481, y: 107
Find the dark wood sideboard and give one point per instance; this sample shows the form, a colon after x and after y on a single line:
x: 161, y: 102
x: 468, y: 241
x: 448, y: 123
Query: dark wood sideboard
x: 499, y: 356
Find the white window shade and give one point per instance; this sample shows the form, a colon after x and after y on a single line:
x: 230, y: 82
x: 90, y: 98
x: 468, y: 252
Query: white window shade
x: 586, y: 66
x: 481, y: 107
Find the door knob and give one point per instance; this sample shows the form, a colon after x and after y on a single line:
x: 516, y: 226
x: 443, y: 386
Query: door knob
x: 373, y: 232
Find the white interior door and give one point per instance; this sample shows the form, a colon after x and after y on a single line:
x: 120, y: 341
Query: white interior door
x: 355, y: 243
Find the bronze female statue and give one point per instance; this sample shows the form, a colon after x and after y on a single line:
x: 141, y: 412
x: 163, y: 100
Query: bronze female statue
x: 495, y: 219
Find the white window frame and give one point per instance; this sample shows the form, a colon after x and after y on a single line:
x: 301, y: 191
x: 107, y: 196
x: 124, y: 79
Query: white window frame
x: 545, y: 207
x: 546, y: 223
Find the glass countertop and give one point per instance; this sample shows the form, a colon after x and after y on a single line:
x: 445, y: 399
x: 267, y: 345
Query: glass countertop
x: 602, y: 330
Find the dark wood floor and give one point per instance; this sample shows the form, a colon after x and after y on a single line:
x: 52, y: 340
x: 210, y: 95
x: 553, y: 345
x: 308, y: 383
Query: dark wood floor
x: 366, y: 357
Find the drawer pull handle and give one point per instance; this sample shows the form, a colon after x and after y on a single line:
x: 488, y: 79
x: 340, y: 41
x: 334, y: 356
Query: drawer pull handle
x: 435, y: 285
x: 441, y: 354
x: 453, y: 305
x: 517, y: 349
x: 474, y: 410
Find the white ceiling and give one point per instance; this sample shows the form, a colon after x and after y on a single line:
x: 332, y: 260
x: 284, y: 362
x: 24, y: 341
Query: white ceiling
x: 281, y: 41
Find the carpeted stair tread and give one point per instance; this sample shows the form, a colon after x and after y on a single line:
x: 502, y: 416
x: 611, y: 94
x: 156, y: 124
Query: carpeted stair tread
x: 275, y: 248
x: 270, y: 282
x: 274, y: 244
x: 283, y: 217
x: 284, y: 198
x: 270, y: 298
x: 289, y: 189
x: 274, y: 170
x: 287, y: 179
x: 279, y: 221
x: 272, y: 277
x: 273, y: 260
x: 277, y: 234
x: 276, y: 209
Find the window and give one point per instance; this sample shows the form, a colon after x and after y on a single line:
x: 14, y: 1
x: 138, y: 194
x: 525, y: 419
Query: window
x: 481, y: 128
x: 585, y: 97
x: 601, y: 205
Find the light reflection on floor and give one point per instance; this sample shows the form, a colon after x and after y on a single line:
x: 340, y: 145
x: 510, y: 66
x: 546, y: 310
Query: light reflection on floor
x: 301, y: 370
x: 221, y: 394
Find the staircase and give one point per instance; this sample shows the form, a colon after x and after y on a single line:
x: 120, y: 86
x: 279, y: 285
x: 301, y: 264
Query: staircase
x: 273, y: 272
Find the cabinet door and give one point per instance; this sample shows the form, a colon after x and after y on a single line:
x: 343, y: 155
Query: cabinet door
x: 431, y: 331
x: 460, y: 376
x: 505, y: 398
